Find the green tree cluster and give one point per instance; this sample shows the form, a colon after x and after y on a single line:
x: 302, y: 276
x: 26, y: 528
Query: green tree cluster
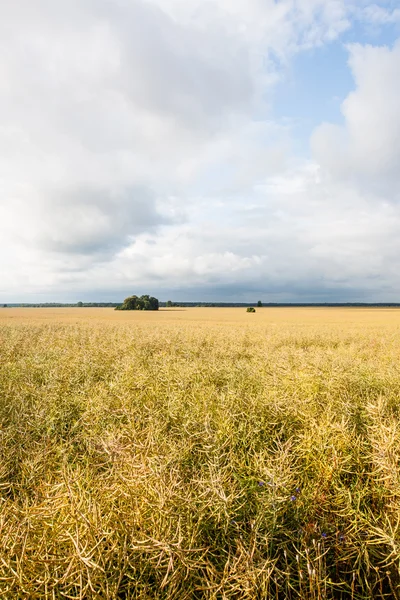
x: 135, y: 303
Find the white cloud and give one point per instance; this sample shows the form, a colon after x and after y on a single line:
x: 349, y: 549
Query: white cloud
x: 380, y: 15
x: 366, y: 149
x: 137, y: 148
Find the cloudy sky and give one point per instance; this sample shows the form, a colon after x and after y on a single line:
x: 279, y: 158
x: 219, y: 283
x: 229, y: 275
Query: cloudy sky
x: 200, y: 150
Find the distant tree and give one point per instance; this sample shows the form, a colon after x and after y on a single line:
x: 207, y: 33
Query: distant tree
x: 4, y: 305
x: 135, y: 303
x: 80, y: 304
x: 259, y: 304
x: 130, y: 303
x: 169, y: 303
x: 251, y: 309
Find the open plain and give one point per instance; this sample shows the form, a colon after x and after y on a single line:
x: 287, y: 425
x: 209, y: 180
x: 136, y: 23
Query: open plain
x: 199, y: 453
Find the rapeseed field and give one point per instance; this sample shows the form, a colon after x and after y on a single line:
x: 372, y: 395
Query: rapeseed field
x: 199, y: 453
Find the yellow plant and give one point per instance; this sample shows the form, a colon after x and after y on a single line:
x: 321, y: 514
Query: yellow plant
x: 199, y: 454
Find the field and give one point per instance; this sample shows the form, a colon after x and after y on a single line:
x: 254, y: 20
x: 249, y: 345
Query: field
x: 199, y: 453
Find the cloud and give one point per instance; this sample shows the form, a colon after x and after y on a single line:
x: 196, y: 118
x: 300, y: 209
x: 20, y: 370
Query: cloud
x: 194, y: 76
x: 380, y: 15
x: 138, y: 149
x: 88, y: 220
x: 366, y: 149
x: 281, y: 27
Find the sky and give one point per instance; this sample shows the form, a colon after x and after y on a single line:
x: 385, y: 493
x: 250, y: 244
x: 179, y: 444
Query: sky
x: 229, y: 150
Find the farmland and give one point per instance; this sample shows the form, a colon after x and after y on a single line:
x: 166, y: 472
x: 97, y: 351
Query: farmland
x: 199, y: 453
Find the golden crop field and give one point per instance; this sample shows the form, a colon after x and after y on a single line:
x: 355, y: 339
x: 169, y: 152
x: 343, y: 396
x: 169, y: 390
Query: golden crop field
x: 199, y: 453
